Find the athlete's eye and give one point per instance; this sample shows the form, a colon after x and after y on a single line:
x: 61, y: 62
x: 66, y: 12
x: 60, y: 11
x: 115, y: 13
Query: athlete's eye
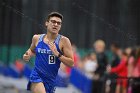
x: 54, y: 22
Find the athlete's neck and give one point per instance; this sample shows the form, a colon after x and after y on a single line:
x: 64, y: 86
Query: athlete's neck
x: 51, y: 36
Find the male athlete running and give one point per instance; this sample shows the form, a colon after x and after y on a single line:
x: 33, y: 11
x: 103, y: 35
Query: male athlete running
x: 50, y: 50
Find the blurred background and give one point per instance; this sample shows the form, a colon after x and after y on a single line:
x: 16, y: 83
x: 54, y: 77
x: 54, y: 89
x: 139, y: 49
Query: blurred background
x: 105, y: 38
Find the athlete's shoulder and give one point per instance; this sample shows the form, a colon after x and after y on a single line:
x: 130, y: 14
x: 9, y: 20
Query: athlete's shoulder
x: 36, y: 37
x: 64, y: 39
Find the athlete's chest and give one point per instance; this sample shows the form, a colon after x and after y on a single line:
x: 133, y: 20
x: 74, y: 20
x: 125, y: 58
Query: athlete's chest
x: 44, y: 54
x: 43, y: 48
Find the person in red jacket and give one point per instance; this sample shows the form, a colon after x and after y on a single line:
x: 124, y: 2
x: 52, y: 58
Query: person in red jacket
x: 136, y: 73
x: 121, y: 71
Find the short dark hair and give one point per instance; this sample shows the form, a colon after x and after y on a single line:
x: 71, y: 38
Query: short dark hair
x: 56, y: 14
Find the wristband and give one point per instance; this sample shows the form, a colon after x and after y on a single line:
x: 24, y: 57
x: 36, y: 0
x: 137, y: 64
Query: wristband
x: 59, y: 55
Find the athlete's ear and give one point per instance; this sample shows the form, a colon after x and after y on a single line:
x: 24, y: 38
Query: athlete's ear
x: 46, y: 23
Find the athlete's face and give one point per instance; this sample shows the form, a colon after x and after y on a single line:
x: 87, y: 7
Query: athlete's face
x: 54, y: 25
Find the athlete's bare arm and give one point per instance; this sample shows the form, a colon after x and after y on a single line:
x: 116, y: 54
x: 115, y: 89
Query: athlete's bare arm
x: 30, y: 52
x: 67, y: 57
x: 65, y: 46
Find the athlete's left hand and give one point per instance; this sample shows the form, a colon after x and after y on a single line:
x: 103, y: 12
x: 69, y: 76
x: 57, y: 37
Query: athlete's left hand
x: 53, y: 48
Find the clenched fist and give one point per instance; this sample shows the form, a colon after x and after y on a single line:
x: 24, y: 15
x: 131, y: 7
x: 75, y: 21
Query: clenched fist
x: 53, y: 48
x: 26, y: 56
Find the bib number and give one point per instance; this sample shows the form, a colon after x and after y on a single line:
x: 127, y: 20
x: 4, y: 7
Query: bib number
x: 51, y: 59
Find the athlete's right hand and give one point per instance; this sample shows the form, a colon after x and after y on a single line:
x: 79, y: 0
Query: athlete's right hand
x: 26, y: 56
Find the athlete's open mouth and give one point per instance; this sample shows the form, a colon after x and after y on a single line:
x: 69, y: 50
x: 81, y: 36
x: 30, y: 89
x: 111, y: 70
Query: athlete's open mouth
x: 54, y: 28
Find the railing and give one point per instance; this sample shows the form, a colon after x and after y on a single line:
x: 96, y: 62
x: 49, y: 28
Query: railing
x: 86, y: 85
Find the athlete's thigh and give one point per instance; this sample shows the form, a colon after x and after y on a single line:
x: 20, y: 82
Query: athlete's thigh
x: 38, y: 88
